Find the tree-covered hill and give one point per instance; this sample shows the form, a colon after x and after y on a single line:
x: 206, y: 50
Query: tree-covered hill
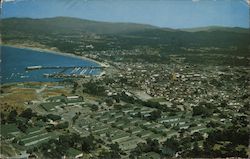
x: 69, y: 34
x: 69, y: 25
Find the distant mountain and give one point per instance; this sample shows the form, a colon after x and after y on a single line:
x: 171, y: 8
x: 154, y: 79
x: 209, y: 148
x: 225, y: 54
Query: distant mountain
x: 65, y: 24
x: 217, y: 28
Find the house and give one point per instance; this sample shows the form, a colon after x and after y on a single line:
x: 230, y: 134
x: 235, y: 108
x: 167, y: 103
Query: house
x: 97, y: 129
x: 150, y: 155
x: 161, y: 129
x: 22, y: 155
x: 127, y: 110
x: 143, y: 122
x: 135, y: 120
x: 8, y: 131
x: 110, y: 121
x: 119, y: 137
x: 168, y: 119
x: 145, y: 134
x: 172, y: 133
x: 51, y: 106
x: 198, y: 129
x: 71, y: 152
x: 156, y: 136
x: 102, y: 133
x: 35, y: 136
x: 184, y: 126
x: 130, y: 144
x: 74, y: 100
x: 57, y: 99
x: 136, y: 130
x: 120, y: 123
x: 118, y: 115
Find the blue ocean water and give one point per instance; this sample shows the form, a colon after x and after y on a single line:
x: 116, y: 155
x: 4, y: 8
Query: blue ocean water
x: 15, y: 60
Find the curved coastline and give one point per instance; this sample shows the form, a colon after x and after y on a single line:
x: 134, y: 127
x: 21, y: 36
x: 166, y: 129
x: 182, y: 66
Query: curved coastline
x: 15, y: 72
x: 55, y: 52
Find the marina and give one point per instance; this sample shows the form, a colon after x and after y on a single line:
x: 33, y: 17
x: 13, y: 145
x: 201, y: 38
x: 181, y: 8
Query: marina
x: 76, y: 68
x: 58, y: 76
x: 75, y: 71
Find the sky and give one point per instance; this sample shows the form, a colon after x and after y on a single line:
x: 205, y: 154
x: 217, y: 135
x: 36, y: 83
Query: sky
x: 162, y: 13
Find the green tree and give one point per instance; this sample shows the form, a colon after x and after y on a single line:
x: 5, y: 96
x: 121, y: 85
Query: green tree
x: 63, y: 125
x: 170, y: 147
x: 202, y: 109
x: 53, y: 117
x: 27, y: 113
x: 197, y: 136
x: 115, y: 147
x: 2, y: 118
x: 87, y: 143
x: 153, y: 145
x: 12, y: 116
x: 22, y: 126
x: 156, y: 114
x: 109, y: 155
x: 94, y: 107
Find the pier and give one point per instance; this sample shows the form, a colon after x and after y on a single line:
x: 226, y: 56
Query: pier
x: 59, y: 75
x: 75, y: 71
x: 30, y: 68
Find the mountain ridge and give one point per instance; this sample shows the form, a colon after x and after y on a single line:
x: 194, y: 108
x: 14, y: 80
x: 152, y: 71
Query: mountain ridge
x: 101, y: 27
x: 72, y: 35
x: 217, y: 28
x: 76, y: 24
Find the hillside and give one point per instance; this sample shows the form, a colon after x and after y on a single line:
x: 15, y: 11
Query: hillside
x: 66, y: 24
x: 217, y: 28
x: 216, y: 38
x: 72, y: 35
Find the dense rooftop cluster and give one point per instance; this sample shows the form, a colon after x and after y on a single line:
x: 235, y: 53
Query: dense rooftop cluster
x: 139, y: 110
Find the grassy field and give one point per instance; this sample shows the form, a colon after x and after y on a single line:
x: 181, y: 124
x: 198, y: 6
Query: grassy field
x: 14, y: 98
x: 56, y: 92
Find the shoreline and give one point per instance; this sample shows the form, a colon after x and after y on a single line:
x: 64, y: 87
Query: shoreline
x: 55, y: 52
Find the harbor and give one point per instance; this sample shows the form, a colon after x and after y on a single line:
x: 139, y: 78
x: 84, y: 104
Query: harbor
x: 29, y: 68
x: 44, y: 66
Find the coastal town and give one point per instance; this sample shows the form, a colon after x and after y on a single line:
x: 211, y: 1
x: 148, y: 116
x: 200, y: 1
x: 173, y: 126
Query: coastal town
x: 127, y: 79
x: 134, y: 110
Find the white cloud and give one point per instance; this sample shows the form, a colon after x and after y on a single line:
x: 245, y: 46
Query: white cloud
x: 6, y: 1
x: 195, y: 0
x: 248, y: 2
x: 9, y: 0
x: 245, y: 2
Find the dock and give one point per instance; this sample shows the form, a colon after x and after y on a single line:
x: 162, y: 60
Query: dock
x: 30, y: 68
x: 76, y: 71
x: 63, y: 76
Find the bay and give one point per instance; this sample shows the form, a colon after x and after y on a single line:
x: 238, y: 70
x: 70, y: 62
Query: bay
x: 15, y: 60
